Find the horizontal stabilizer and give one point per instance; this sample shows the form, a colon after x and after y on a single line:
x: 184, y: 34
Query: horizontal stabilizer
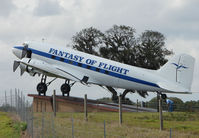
x: 174, y: 88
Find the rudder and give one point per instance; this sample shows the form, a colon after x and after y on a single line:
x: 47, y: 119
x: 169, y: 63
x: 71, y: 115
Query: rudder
x: 179, y: 69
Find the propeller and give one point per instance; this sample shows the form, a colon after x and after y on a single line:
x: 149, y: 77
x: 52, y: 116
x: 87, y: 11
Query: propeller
x: 21, y: 65
x: 24, y: 51
x: 22, y: 71
x: 16, y: 65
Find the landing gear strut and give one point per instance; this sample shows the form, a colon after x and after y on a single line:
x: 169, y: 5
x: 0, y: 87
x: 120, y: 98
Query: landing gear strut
x: 42, y: 87
x: 65, y: 88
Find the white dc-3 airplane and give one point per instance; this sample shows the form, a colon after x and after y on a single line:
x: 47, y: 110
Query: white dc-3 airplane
x: 71, y: 65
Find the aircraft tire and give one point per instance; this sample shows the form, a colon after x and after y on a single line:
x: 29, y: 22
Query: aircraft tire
x: 42, y: 88
x: 65, y: 88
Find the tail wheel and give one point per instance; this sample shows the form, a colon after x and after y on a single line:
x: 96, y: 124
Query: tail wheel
x: 42, y: 88
x: 65, y: 88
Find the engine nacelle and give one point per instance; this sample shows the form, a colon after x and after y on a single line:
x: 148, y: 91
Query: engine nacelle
x: 27, y: 68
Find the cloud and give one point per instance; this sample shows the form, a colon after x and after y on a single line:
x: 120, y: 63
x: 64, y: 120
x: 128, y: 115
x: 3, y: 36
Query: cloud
x: 6, y: 7
x: 47, y: 8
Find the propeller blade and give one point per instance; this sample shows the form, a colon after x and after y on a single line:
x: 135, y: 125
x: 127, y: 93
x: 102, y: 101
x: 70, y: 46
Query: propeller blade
x: 22, y: 72
x: 24, y: 51
x: 15, y: 65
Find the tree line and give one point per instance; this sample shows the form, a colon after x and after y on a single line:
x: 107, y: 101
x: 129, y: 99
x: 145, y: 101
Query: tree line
x: 179, y: 105
x: 121, y: 43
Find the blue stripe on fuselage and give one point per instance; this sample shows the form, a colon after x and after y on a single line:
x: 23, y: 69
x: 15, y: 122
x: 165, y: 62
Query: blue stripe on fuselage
x: 90, y: 67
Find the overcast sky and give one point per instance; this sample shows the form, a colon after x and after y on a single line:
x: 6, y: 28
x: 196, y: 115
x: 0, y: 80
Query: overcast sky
x: 58, y: 20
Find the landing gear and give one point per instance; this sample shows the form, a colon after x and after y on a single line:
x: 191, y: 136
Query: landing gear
x: 42, y: 87
x: 65, y: 88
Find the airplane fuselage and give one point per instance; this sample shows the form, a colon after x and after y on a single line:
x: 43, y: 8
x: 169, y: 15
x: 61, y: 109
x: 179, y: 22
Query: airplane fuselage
x: 61, y: 62
x: 99, y: 70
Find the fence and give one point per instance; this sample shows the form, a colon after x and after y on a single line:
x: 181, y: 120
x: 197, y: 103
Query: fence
x: 15, y: 102
x: 45, y: 124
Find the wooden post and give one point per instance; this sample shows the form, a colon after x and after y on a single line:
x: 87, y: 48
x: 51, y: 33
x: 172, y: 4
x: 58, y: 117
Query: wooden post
x: 5, y: 99
x: 54, y: 102
x: 32, y: 121
x: 37, y: 104
x: 41, y: 106
x: 104, y: 129
x: 137, y: 105
x: 72, y: 128
x: 160, y: 111
x: 120, y: 110
x: 85, y: 108
x: 158, y: 98
x: 45, y: 106
x: 16, y: 100
x: 11, y: 99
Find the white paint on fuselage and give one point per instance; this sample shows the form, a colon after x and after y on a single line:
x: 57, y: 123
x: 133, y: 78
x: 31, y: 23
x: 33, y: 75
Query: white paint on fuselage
x: 100, y: 78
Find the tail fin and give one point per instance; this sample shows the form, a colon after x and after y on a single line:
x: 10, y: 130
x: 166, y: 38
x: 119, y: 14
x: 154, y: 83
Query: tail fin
x: 179, y: 69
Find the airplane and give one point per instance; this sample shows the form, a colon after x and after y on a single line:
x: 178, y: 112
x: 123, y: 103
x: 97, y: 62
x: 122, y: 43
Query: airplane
x: 75, y: 66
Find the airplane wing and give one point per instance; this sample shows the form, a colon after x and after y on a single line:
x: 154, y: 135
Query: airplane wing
x: 55, y: 71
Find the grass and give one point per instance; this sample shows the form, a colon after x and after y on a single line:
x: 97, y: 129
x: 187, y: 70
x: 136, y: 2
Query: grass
x: 10, y: 128
x: 134, y: 125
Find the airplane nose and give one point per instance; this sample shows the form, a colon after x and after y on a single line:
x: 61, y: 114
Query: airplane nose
x: 16, y: 52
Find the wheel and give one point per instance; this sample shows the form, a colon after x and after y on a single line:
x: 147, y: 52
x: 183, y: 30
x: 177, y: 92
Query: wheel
x: 42, y: 88
x: 65, y: 88
x: 164, y: 96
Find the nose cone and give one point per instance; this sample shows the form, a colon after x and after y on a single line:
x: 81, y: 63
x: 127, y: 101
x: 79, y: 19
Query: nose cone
x: 17, y: 50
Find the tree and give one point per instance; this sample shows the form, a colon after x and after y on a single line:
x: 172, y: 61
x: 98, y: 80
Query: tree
x: 119, y: 44
x: 88, y: 40
x: 178, y: 103
x: 151, y: 50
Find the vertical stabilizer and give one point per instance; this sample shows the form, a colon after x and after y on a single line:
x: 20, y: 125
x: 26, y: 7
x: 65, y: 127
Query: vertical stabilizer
x: 179, y: 69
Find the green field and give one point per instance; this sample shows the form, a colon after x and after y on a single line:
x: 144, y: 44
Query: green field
x: 9, y: 127
x: 183, y: 125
